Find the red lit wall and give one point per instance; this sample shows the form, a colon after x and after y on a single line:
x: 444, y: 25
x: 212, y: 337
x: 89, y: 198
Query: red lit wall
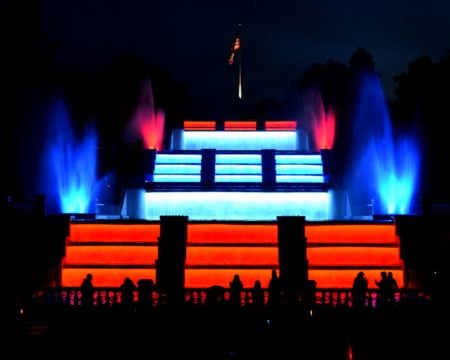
x: 234, y: 256
x: 284, y: 125
x: 111, y: 277
x: 351, y: 233
x: 199, y: 125
x: 82, y: 232
x: 240, y: 125
x: 111, y: 255
x: 344, y: 277
x: 353, y: 256
x: 216, y: 251
x: 233, y: 233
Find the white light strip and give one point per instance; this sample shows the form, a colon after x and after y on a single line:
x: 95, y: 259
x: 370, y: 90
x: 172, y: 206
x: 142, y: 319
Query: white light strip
x: 299, y: 179
x: 299, y: 169
x: 177, y: 169
x: 299, y: 159
x: 176, y: 178
x: 238, y: 169
x: 239, y: 140
x: 178, y: 159
x: 236, y: 206
x: 238, y: 159
x: 238, y: 178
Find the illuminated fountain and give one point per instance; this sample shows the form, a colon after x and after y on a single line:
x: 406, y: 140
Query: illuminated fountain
x: 147, y: 123
x: 322, y: 123
x: 233, y: 183
x: 385, y: 168
x: 69, y: 168
x: 238, y: 173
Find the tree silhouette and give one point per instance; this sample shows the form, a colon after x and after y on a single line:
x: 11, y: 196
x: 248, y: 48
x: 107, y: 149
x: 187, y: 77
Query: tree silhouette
x: 361, y: 59
x: 26, y: 74
x: 422, y: 95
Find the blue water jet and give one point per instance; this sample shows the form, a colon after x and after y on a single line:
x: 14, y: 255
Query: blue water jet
x: 385, y: 171
x: 70, y: 166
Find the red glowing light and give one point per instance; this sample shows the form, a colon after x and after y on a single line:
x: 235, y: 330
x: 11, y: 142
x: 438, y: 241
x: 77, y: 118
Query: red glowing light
x: 148, y: 122
x: 199, y: 125
x: 322, y: 122
x: 85, y: 232
x: 215, y: 252
x: 233, y: 233
x: 286, y: 125
x: 240, y: 125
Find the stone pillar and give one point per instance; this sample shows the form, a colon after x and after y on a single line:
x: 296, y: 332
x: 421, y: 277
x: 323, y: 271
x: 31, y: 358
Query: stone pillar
x: 208, y: 168
x: 269, y: 175
x: 292, y: 254
x: 171, y: 258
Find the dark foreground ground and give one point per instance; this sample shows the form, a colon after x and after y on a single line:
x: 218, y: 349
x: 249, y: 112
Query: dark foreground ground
x: 223, y: 332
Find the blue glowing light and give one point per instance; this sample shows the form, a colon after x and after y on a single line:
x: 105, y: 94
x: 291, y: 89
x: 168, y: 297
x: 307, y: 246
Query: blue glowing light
x: 397, y: 177
x: 230, y: 178
x: 291, y: 168
x: 176, y: 178
x: 238, y: 169
x: 69, y: 169
x: 238, y: 159
x: 298, y: 169
x: 239, y: 206
x: 178, y: 158
x: 385, y: 168
x: 298, y: 159
x: 238, y: 140
x: 177, y: 169
x: 299, y: 179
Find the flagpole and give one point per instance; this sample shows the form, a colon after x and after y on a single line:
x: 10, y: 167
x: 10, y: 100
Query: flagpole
x: 240, y: 76
x: 236, y: 52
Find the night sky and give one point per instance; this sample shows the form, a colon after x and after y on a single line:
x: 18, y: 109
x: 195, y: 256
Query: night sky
x: 280, y: 39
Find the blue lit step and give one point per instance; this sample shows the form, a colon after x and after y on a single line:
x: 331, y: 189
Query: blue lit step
x: 254, y: 159
x: 239, y: 140
x: 296, y: 159
x: 176, y: 178
x: 300, y: 178
x: 177, y: 168
x: 231, y: 205
x: 299, y: 169
x: 293, y: 168
x: 178, y: 158
x: 257, y: 186
x: 229, y: 178
x: 236, y: 168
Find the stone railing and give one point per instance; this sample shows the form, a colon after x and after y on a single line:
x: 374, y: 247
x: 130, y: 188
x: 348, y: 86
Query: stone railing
x: 330, y: 297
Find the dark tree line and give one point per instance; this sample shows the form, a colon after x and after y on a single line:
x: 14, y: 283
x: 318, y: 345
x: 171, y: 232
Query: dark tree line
x: 422, y: 95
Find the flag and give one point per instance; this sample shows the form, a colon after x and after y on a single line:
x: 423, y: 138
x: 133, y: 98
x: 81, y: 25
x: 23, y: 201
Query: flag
x: 234, y: 48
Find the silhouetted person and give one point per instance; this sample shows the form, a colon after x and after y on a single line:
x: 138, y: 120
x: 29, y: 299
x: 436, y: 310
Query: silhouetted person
x: 359, y: 290
x: 127, y: 290
x: 383, y: 288
x: 236, y: 288
x: 87, y: 291
x: 257, y: 295
x: 274, y: 289
x: 145, y: 292
x: 391, y: 287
